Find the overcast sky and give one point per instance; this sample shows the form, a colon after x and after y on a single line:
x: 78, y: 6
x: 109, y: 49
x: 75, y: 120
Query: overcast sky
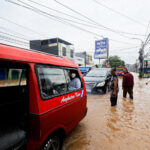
x: 129, y: 16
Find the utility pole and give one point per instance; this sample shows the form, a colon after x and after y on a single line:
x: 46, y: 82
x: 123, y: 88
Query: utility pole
x: 141, y: 54
x: 141, y: 59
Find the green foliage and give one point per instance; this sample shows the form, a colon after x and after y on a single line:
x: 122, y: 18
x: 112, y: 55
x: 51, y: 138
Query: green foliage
x: 141, y: 75
x: 115, y: 61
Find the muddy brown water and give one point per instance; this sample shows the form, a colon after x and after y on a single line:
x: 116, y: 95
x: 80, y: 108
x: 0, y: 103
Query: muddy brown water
x: 125, y: 127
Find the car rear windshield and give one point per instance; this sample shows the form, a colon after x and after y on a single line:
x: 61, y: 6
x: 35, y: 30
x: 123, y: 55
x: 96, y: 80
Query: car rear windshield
x: 97, y: 73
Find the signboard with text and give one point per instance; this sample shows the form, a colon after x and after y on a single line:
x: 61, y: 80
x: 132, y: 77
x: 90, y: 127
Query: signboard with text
x: 101, y: 49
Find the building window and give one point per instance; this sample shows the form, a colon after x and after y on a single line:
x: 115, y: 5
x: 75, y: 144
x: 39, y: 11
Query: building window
x: 71, y: 53
x: 64, y: 51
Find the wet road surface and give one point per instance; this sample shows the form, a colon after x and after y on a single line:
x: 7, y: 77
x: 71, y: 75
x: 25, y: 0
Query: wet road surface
x: 124, y: 127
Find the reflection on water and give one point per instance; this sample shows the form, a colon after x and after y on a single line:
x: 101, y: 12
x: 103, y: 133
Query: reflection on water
x: 124, y: 127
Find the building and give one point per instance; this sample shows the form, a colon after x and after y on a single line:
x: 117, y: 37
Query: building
x: 79, y: 61
x: 88, y: 59
x: 55, y: 46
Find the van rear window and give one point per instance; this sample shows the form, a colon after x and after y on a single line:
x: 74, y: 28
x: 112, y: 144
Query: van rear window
x: 57, y: 81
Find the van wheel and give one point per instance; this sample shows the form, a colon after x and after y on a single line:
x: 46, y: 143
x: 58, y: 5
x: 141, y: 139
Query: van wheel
x: 53, y: 143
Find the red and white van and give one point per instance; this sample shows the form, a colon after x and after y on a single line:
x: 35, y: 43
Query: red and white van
x: 37, y: 107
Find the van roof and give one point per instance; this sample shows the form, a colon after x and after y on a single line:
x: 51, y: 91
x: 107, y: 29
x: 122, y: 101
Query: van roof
x: 14, y: 53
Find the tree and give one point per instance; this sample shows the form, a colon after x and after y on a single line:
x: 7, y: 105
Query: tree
x: 114, y: 61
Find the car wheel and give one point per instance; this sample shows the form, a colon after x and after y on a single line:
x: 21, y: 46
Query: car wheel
x: 53, y: 143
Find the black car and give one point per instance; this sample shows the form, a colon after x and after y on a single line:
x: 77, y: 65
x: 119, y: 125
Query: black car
x: 98, y: 80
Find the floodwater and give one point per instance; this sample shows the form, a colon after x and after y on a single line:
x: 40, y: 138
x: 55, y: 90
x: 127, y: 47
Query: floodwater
x: 124, y: 127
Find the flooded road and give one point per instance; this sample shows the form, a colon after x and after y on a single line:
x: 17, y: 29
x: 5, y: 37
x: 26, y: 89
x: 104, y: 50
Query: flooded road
x: 124, y: 127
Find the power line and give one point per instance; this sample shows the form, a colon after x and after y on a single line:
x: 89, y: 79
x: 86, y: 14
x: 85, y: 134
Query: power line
x: 16, y: 41
x: 114, y: 50
x: 13, y: 36
x: 26, y: 28
x: 11, y: 31
x: 96, y: 23
x: 126, y: 48
x: 146, y: 41
x: 88, y: 25
x: 91, y: 24
x: 59, y: 19
x: 13, y: 40
x: 147, y: 27
x: 18, y: 37
x: 54, y: 16
x: 71, y: 21
x: 63, y: 18
x: 60, y: 12
x: 11, y: 43
x: 81, y: 15
x: 49, y: 15
x: 119, y: 13
x: 6, y: 37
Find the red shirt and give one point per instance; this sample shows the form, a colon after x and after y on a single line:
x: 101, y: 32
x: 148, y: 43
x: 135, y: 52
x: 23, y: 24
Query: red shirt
x: 128, y: 80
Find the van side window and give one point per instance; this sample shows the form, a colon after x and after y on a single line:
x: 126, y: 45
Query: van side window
x: 73, y: 80
x: 3, y: 77
x: 12, y: 77
x: 23, y: 80
x: 52, y: 81
x: 14, y: 107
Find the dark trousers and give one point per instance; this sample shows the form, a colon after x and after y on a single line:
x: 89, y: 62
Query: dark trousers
x: 128, y: 90
x: 113, y: 100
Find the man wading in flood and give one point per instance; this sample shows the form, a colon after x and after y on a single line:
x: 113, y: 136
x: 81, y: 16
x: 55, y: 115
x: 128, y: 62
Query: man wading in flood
x: 127, y: 83
x: 114, y: 88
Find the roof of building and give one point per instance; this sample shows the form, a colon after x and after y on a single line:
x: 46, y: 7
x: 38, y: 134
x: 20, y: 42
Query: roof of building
x: 59, y: 40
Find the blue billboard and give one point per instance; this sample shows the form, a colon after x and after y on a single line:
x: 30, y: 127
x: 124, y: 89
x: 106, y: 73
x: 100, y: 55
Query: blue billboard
x: 101, y: 49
